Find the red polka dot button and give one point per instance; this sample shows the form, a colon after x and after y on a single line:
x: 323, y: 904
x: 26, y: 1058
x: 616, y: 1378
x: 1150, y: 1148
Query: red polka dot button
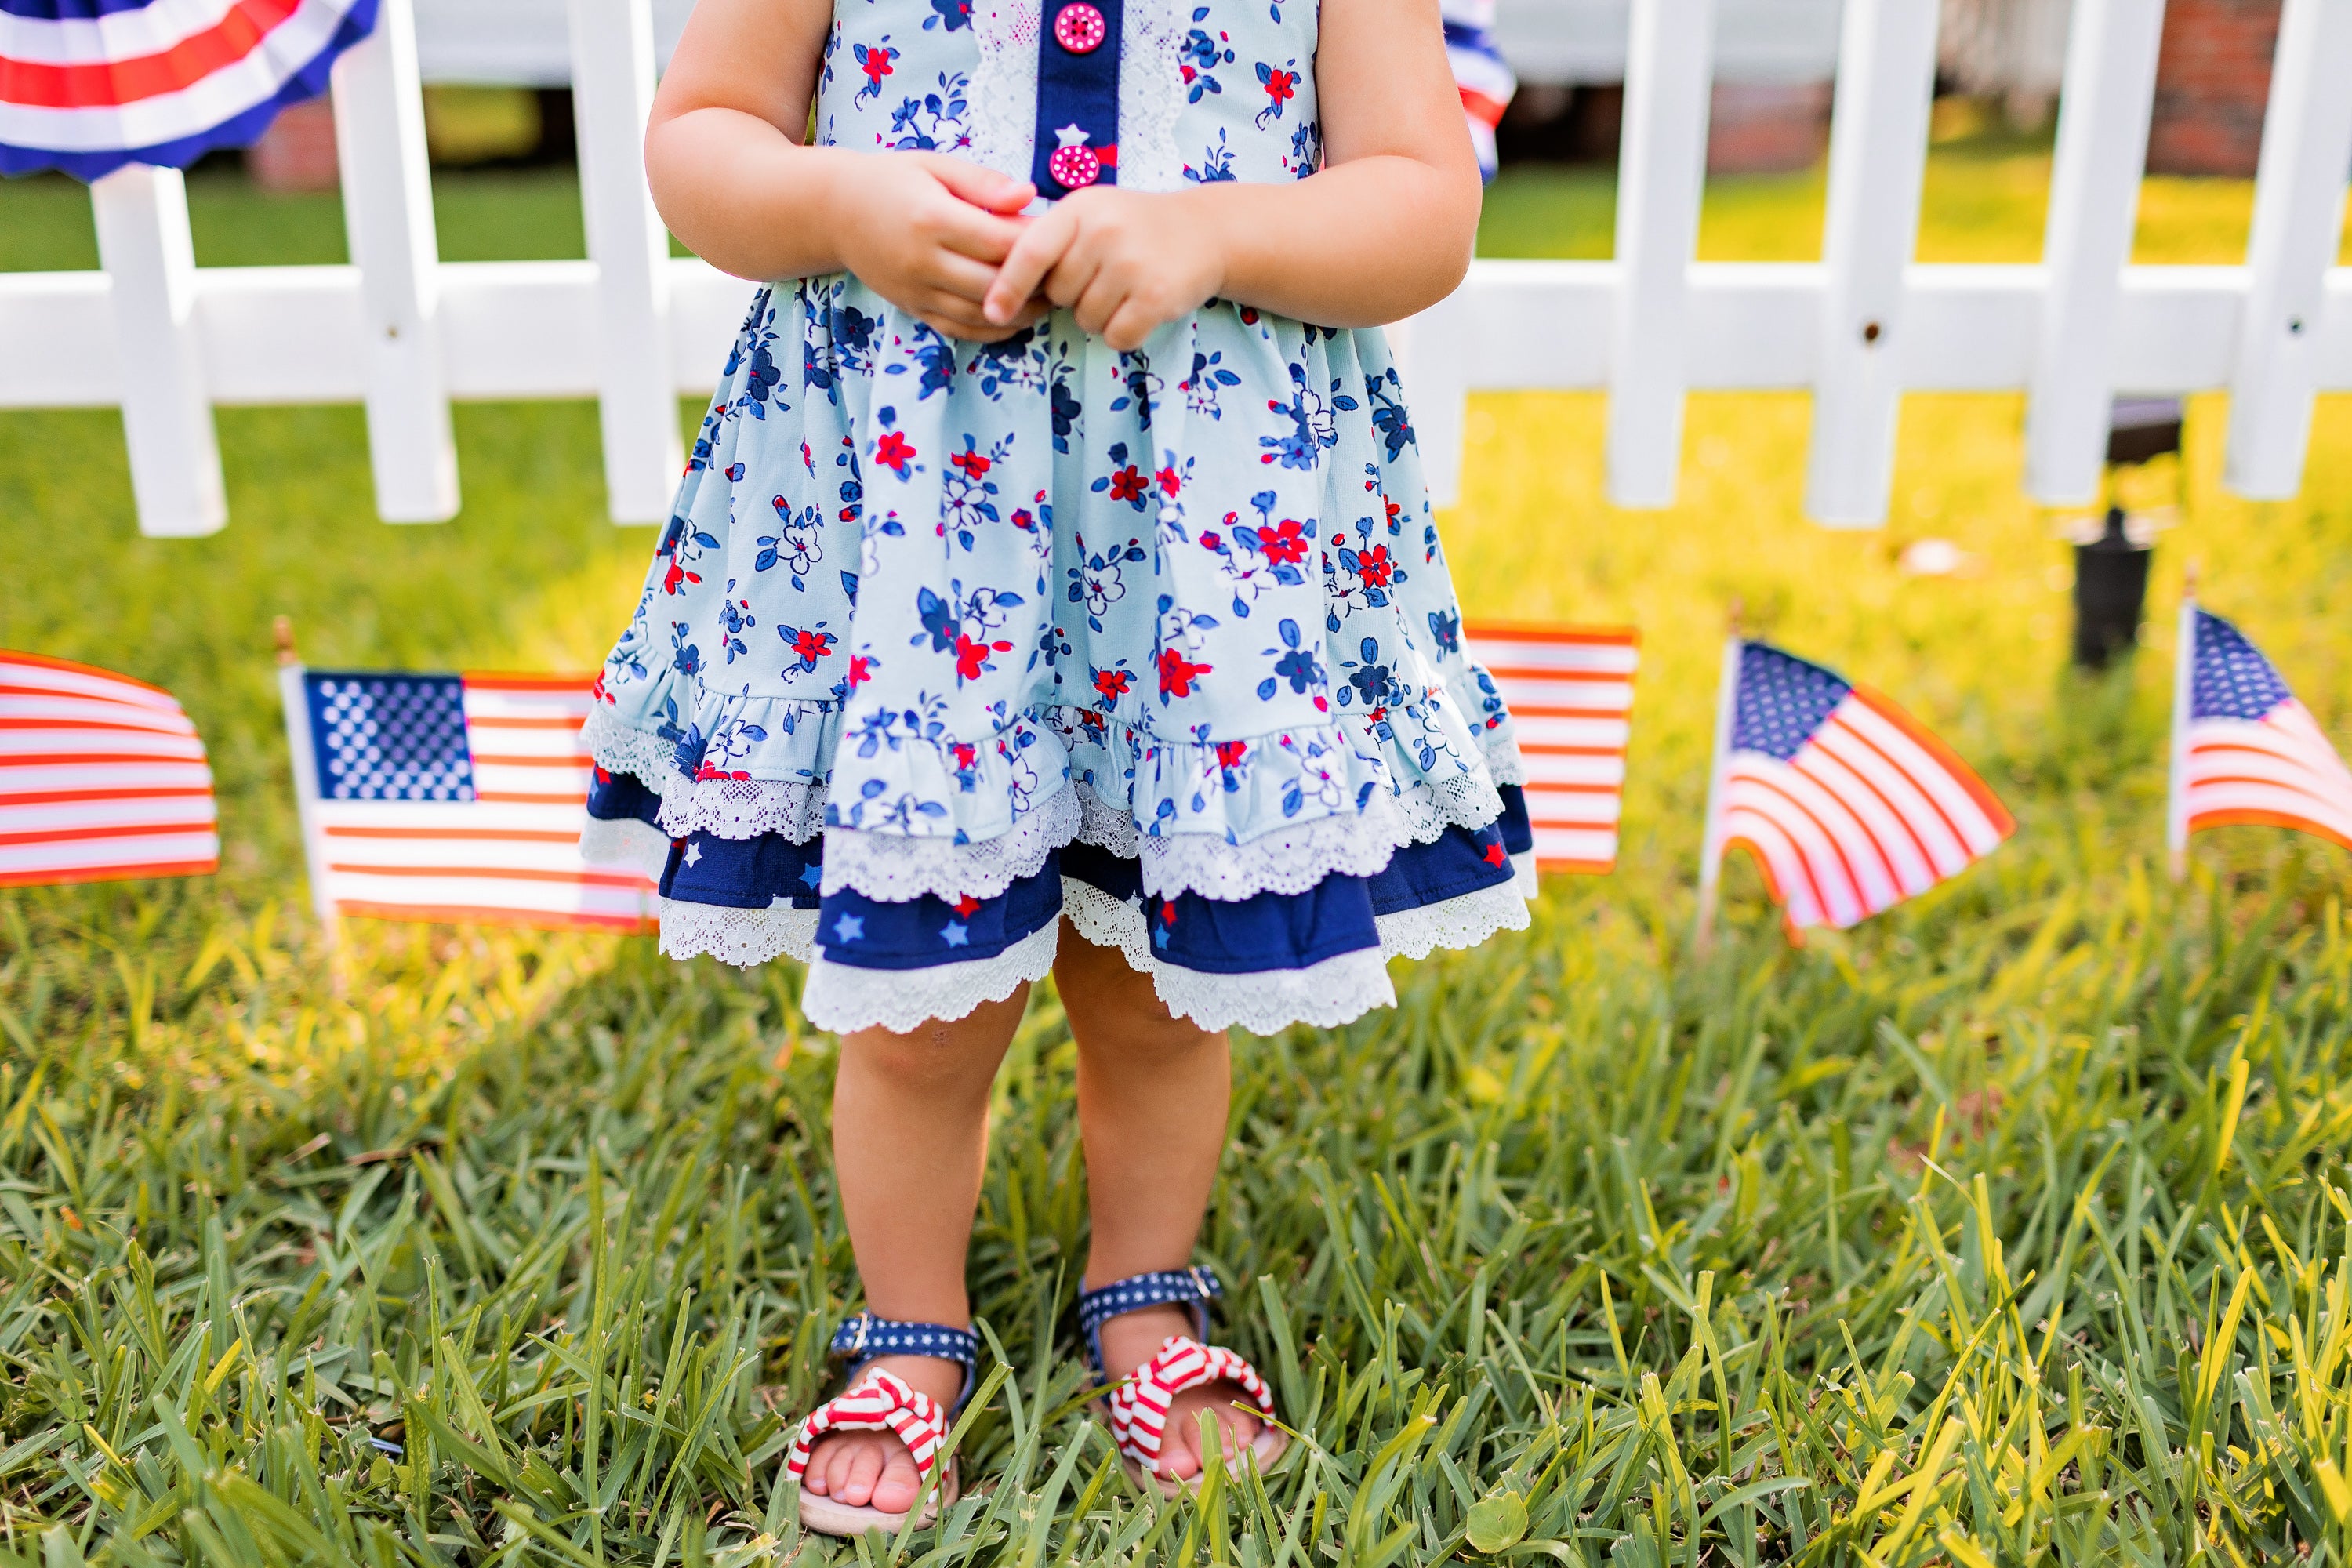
x: 1074, y: 167
x: 1078, y: 28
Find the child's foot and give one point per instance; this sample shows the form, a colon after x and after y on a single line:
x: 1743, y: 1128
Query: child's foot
x: 1133, y: 1338
x: 873, y: 1469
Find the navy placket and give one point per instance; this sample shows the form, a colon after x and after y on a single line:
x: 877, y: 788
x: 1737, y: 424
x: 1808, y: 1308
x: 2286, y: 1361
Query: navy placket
x: 1077, y: 97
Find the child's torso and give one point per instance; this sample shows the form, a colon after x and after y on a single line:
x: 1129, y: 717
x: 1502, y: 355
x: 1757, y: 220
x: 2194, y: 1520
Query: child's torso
x: 1157, y: 93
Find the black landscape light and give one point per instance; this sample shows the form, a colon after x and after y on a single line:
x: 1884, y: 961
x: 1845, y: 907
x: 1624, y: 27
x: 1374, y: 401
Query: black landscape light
x: 2111, y: 570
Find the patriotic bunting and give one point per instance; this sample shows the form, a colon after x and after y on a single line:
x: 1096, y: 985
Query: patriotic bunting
x: 2243, y: 750
x: 87, y: 86
x: 1847, y: 804
x: 451, y: 798
x: 101, y: 778
x: 1483, y: 78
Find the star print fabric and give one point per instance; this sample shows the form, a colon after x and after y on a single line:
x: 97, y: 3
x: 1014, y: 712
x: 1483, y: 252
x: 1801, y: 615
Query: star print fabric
x: 948, y: 644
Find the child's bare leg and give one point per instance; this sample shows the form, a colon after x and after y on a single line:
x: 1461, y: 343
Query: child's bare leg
x: 909, y: 1140
x: 1152, y: 1093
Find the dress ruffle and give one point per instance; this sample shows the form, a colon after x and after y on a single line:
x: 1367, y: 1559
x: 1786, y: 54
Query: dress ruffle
x: 930, y: 615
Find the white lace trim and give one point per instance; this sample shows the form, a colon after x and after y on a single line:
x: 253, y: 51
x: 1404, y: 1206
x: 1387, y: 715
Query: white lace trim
x: 1454, y: 924
x: 1003, y: 112
x: 896, y: 868
x: 740, y: 937
x: 1288, y: 860
x: 1326, y: 995
x: 1103, y: 824
x: 745, y: 808
x: 841, y: 998
x: 1150, y: 95
x: 1464, y: 800
x: 1108, y: 921
x: 639, y: 845
x: 618, y: 749
x: 1504, y: 764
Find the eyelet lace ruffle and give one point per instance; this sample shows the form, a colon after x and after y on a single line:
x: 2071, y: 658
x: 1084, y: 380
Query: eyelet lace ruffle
x: 619, y: 749
x: 895, y: 867
x: 1456, y: 923
x: 740, y: 937
x: 841, y: 998
x: 1003, y: 111
x: 1152, y: 95
x: 625, y: 842
x: 1324, y: 995
x: 745, y: 808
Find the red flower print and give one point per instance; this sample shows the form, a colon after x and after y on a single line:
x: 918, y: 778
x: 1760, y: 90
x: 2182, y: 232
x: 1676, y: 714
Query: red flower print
x: 1113, y: 684
x: 1168, y: 482
x: 812, y: 646
x: 861, y: 669
x: 1377, y: 714
x: 1394, y: 511
x: 965, y: 756
x: 972, y: 657
x: 876, y: 63
x: 894, y: 452
x: 677, y: 574
x: 706, y: 772
x: 973, y: 464
x: 1177, y: 673
x: 1285, y: 542
x: 1024, y: 519
x: 1213, y: 543
x: 1230, y: 753
x: 1280, y: 85
x: 1128, y: 484
x: 1375, y: 567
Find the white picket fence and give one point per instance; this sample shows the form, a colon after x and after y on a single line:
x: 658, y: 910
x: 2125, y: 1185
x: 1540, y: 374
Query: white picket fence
x: 405, y: 333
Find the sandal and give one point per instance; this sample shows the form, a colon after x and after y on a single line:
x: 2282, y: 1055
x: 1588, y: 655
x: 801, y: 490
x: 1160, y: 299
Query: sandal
x: 884, y: 1402
x: 1139, y: 1403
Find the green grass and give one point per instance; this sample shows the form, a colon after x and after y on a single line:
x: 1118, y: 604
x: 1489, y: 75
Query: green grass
x: 2014, y: 1227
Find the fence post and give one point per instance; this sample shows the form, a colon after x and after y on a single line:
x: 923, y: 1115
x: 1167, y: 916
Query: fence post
x: 388, y: 216
x: 1662, y: 174
x: 2103, y: 114
x: 2298, y: 214
x: 1879, y: 147
x: 1431, y: 358
x: 612, y: 92
x: 143, y: 243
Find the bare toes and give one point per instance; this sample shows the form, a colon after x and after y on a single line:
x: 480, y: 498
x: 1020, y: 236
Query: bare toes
x: 901, y: 1484
x: 864, y: 1470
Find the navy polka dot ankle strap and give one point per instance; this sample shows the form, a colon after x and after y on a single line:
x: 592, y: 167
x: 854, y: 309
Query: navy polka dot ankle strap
x: 861, y: 1338
x: 1193, y: 1288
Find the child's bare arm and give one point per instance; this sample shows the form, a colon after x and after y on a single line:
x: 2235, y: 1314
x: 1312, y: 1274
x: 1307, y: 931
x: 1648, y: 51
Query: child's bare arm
x: 724, y: 156
x: 1383, y: 231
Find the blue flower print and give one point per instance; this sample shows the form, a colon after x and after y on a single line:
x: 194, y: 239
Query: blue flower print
x: 1311, y: 426
x: 805, y: 648
x: 1445, y: 630
x: 1371, y: 681
x: 1210, y: 375
x: 950, y: 16
x: 683, y: 655
x: 1386, y: 394
x: 1203, y: 54
x: 933, y: 122
x: 735, y: 618
x: 685, y: 740
x: 961, y: 625
x: 731, y: 741
x: 967, y: 495
x: 1100, y: 583
x: 1065, y: 409
x: 1216, y: 163
x: 876, y: 61
x: 1294, y: 661
x: 797, y: 545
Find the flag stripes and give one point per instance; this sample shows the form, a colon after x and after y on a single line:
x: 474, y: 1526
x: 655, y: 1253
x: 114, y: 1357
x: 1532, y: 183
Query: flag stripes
x: 1571, y: 695
x: 101, y: 777
x: 2247, y: 753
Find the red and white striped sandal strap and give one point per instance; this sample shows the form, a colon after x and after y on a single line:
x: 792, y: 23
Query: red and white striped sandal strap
x: 1138, y: 1406
x: 881, y: 1402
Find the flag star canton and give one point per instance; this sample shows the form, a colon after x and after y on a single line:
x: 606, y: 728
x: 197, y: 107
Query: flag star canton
x: 1783, y: 701
x: 382, y: 737
x: 2230, y: 679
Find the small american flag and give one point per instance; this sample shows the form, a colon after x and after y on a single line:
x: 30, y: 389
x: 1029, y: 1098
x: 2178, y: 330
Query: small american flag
x: 1481, y: 74
x: 2243, y: 750
x: 1571, y: 693
x: 1847, y: 804
x: 451, y: 798
x: 101, y: 778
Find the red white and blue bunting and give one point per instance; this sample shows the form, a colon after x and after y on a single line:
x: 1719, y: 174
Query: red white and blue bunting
x: 87, y: 86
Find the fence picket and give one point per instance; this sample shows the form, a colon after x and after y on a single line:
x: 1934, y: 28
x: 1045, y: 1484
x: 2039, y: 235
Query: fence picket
x: 1662, y: 173
x: 142, y: 215
x: 2299, y: 188
x: 388, y: 215
x: 613, y: 91
x: 1431, y: 357
x: 2103, y: 115
x: 1878, y: 148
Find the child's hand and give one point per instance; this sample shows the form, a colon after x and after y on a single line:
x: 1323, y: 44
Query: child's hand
x: 1126, y: 262
x: 927, y: 233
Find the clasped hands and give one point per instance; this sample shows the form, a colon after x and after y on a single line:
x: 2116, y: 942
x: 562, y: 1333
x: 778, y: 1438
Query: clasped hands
x: 945, y: 239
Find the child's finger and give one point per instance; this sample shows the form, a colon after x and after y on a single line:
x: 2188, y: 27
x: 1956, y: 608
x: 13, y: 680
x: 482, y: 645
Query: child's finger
x: 972, y: 281
x: 1032, y: 256
x: 973, y: 231
x: 1130, y: 324
x: 984, y: 187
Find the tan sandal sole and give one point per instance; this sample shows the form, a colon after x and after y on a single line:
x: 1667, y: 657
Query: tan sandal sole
x: 839, y: 1519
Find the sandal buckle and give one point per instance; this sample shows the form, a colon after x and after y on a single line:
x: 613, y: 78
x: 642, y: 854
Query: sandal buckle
x: 1204, y: 1282
x: 863, y: 1323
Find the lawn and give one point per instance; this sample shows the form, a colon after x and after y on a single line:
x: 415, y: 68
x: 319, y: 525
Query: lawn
x: 2014, y: 1227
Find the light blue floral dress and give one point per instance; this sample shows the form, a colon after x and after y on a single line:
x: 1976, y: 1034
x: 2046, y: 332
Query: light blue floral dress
x: 949, y: 642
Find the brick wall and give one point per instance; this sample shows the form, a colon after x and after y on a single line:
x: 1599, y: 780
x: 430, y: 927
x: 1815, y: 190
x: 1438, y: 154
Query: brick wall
x: 2212, y: 80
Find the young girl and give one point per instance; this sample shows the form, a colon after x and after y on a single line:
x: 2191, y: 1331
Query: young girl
x: 1052, y: 587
